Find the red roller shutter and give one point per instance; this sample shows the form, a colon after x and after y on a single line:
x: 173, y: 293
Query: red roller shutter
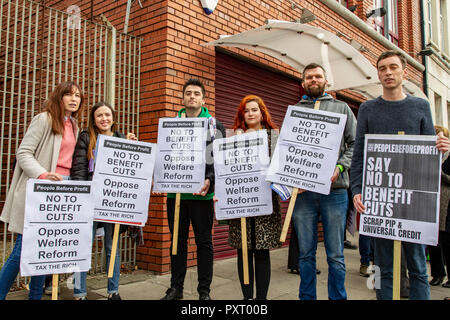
x: 236, y: 78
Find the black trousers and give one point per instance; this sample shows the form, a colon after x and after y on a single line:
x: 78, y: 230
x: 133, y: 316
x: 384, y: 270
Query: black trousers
x: 258, y: 272
x: 437, y: 257
x: 445, y: 243
x: 200, y: 213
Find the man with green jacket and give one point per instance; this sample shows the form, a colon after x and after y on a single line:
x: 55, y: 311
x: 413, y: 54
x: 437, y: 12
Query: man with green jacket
x: 197, y: 208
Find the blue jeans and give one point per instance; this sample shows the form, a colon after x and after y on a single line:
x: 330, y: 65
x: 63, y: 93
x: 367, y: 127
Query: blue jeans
x: 10, y: 271
x: 365, y: 249
x: 419, y: 288
x: 113, y: 283
x: 333, y: 211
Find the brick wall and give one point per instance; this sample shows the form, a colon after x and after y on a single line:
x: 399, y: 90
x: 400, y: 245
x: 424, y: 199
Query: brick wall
x: 410, y: 32
x: 173, y: 33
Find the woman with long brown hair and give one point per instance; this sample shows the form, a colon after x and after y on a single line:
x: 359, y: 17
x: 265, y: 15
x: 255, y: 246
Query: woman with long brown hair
x: 102, y: 120
x: 263, y: 232
x: 44, y: 153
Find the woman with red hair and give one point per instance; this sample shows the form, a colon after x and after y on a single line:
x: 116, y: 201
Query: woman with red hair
x: 263, y: 232
x: 252, y: 114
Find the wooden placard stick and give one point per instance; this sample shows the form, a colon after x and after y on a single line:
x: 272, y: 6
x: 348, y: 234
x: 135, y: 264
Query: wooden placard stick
x: 287, y: 219
x: 55, y: 280
x: 112, y: 258
x: 176, y: 223
x: 396, y: 270
x: 244, y: 245
x: 397, y: 261
x: 244, y: 250
x: 176, y: 217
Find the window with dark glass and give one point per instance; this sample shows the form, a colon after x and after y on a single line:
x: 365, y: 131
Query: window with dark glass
x: 387, y: 25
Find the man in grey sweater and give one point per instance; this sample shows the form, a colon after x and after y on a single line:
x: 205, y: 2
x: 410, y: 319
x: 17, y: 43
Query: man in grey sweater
x: 390, y: 113
x: 332, y: 207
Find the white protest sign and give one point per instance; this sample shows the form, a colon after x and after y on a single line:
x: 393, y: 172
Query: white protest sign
x: 180, y: 165
x: 240, y: 164
x: 57, y: 233
x: 122, y: 180
x: 401, y: 188
x: 308, y: 148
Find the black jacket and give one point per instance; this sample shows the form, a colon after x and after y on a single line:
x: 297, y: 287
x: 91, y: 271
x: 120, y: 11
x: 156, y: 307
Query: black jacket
x: 80, y: 162
x: 446, y: 166
x: 446, y: 170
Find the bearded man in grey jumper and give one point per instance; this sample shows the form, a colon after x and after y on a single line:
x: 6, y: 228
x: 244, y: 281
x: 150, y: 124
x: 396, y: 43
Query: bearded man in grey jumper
x: 390, y: 113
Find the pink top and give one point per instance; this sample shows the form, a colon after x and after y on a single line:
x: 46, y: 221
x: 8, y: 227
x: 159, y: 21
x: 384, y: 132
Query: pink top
x: 66, y: 150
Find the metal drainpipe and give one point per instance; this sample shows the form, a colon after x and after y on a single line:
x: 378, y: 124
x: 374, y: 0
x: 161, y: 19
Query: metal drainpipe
x: 424, y: 58
x: 127, y: 17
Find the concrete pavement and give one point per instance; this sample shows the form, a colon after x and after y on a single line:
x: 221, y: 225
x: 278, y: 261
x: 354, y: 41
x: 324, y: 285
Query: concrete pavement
x: 143, y: 285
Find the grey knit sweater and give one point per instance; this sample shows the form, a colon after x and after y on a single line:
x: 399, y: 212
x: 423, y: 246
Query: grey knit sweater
x: 411, y: 115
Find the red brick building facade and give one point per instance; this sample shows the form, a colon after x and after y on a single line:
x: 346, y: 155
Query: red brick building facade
x: 172, y: 51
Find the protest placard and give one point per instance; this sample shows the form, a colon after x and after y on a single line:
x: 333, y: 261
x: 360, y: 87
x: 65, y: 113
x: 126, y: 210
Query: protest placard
x: 401, y: 188
x: 240, y: 164
x: 122, y: 180
x: 57, y: 233
x: 180, y: 165
x: 307, y: 150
